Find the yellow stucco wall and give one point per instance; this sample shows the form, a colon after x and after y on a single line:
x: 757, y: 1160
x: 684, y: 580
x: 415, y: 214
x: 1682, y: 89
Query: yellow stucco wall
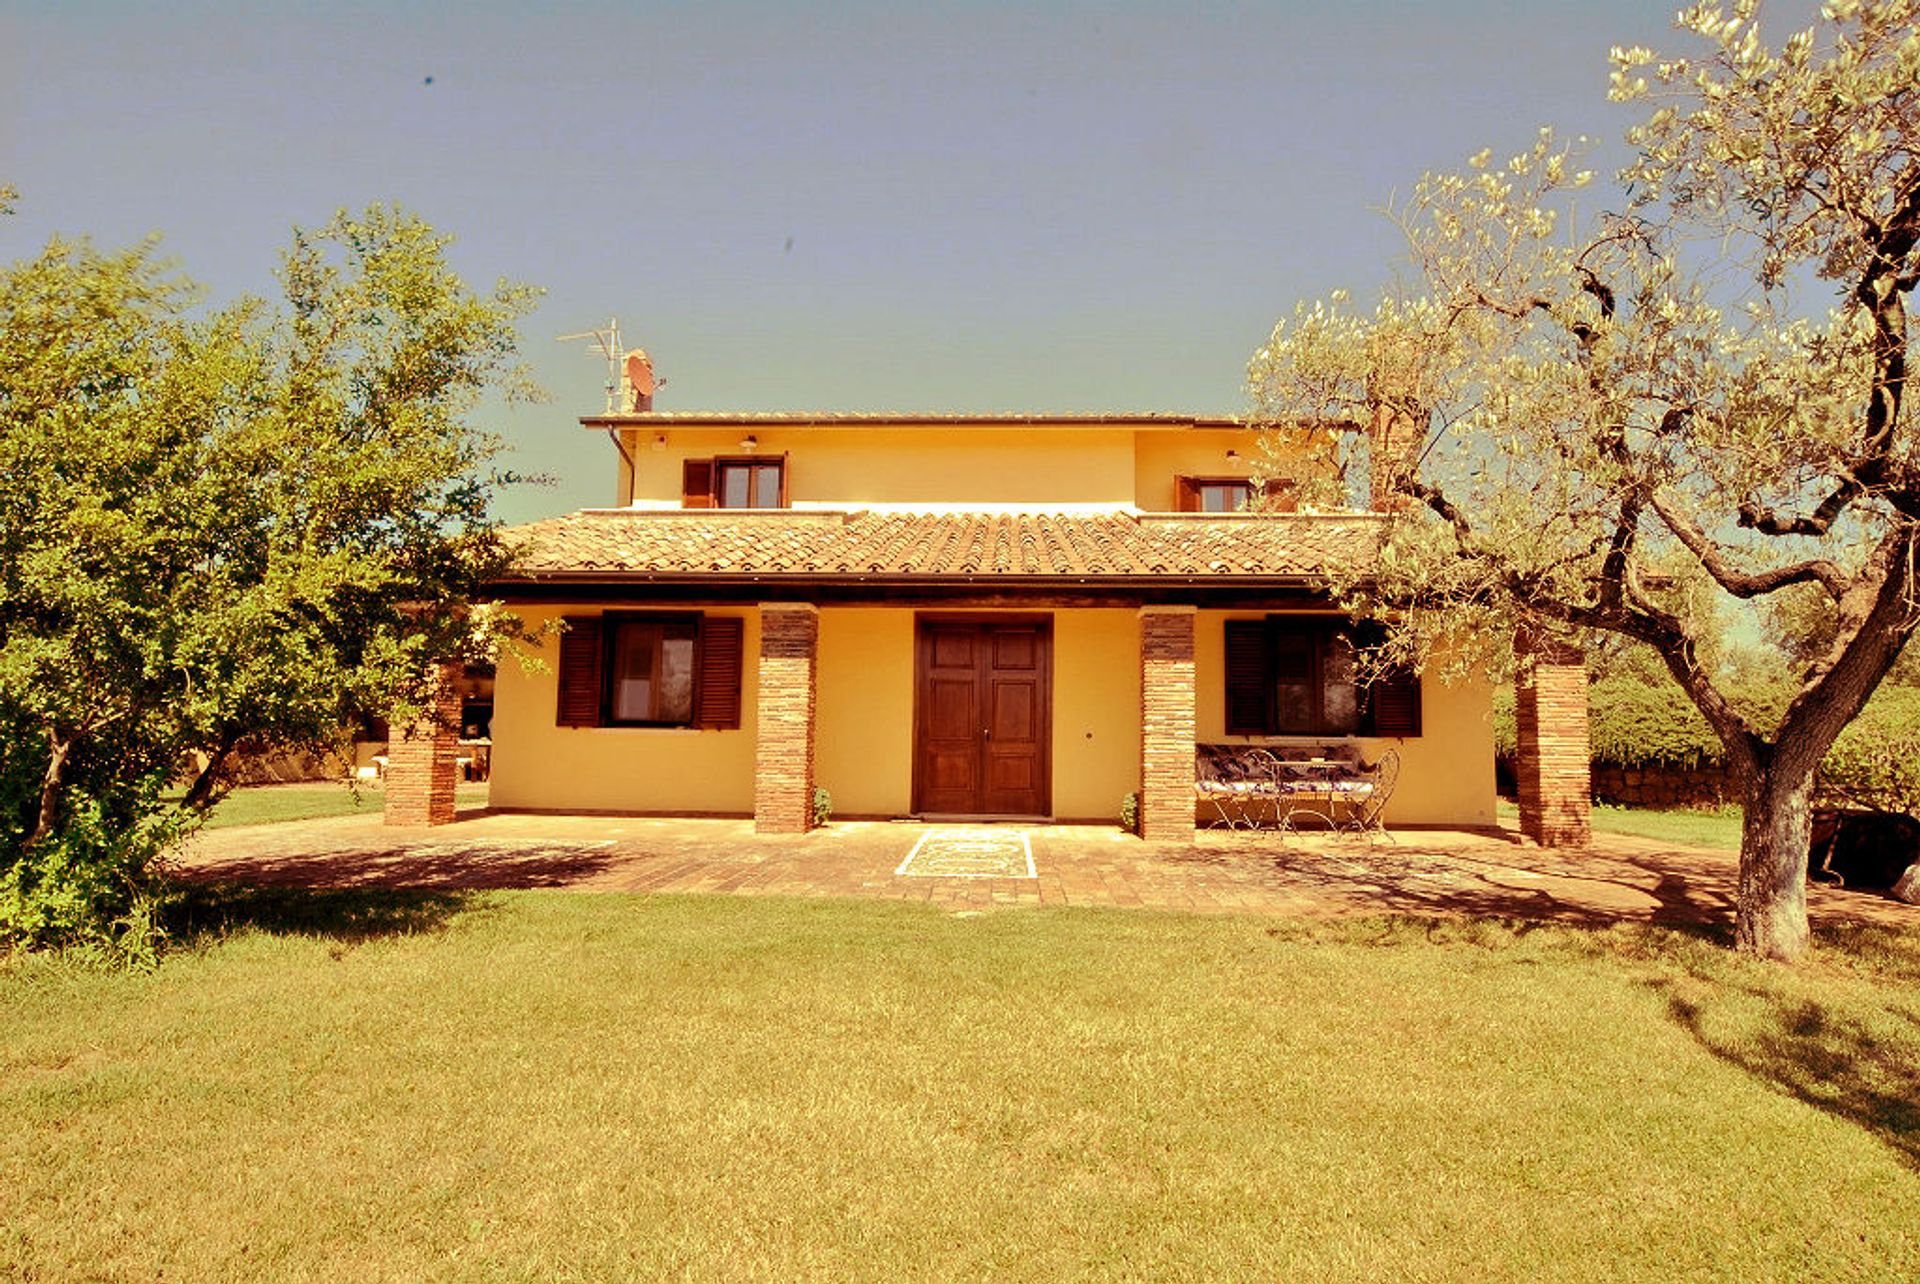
x: 1159, y: 457
x: 863, y: 747
x: 540, y: 766
x: 846, y: 468
x: 1096, y: 712
x: 1446, y: 772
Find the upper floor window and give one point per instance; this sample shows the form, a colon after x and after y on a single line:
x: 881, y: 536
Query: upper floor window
x: 1230, y: 494
x: 749, y: 483
x: 1213, y: 495
x: 742, y: 481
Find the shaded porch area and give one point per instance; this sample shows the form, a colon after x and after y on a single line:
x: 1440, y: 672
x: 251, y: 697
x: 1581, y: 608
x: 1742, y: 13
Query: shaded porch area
x: 1493, y: 871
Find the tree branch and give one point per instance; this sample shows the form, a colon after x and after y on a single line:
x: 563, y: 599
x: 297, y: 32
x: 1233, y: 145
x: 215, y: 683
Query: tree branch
x: 1746, y: 584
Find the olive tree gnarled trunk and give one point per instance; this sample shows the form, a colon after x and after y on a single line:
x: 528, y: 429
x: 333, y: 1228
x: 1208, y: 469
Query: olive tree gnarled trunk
x: 1777, y: 775
x: 1770, y: 914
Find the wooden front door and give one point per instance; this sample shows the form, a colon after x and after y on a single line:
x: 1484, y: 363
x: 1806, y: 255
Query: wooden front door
x: 983, y: 717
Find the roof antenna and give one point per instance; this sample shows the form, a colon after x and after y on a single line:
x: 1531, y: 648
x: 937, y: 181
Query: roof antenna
x: 630, y: 384
x: 606, y: 344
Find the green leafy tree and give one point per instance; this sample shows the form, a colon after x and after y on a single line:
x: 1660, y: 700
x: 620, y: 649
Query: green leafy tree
x: 223, y: 531
x: 1566, y: 407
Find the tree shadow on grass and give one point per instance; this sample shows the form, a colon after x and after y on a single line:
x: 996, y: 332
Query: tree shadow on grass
x: 1855, y: 1058
x: 452, y: 864
x: 206, y: 911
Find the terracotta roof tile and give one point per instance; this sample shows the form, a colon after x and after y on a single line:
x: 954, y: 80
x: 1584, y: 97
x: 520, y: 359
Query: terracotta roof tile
x: 638, y: 543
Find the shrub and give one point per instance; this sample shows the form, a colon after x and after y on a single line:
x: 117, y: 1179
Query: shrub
x: 93, y: 885
x: 822, y: 805
x: 1876, y: 761
x: 1634, y: 724
x: 1130, y: 813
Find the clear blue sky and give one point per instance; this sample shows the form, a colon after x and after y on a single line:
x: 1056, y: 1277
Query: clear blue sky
x: 965, y: 207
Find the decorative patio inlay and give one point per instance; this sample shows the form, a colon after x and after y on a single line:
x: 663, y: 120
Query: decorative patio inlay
x: 970, y: 851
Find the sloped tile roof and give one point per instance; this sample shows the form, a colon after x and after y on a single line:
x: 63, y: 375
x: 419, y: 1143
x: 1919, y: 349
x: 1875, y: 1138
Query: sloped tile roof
x: 643, y: 544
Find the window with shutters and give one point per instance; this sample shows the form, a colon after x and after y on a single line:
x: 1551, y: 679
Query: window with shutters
x: 1232, y: 494
x: 744, y: 481
x: 1299, y: 676
x: 651, y: 670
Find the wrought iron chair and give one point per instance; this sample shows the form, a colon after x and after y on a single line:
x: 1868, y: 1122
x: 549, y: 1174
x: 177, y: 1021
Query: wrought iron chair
x: 1366, y: 805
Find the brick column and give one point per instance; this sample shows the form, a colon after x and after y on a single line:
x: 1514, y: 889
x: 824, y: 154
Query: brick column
x: 422, y: 756
x: 783, y: 754
x: 1166, y: 724
x: 1554, y: 758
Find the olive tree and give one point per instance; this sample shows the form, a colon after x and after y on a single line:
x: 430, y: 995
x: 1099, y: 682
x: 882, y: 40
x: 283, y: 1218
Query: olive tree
x: 1582, y: 419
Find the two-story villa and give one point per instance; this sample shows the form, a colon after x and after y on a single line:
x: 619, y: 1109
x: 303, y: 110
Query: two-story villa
x: 947, y: 615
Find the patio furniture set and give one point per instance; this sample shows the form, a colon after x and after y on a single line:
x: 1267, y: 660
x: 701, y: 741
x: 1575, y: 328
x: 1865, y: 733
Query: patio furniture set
x: 1291, y: 789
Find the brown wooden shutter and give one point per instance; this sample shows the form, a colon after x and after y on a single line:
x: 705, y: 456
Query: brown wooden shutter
x: 786, y: 471
x: 716, y: 700
x: 1248, y: 709
x: 1394, y: 699
x: 696, y: 484
x: 1282, y: 495
x: 1186, y: 495
x: 580, y: 654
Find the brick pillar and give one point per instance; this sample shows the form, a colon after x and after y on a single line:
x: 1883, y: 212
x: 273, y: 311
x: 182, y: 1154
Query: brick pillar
x: 1554, y: 758
x: 783, y: 755
x: 422, y: 756
x: 1166, y: 724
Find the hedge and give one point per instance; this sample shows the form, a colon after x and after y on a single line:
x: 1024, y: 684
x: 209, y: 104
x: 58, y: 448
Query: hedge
x: 1875, y: 763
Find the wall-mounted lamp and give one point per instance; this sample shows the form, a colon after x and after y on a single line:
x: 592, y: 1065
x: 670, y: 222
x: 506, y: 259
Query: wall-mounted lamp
x: 659, y: 443
x: 749, y: 442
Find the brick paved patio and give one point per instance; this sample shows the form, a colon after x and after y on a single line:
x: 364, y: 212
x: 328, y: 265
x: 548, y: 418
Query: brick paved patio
x: 1423, y: 872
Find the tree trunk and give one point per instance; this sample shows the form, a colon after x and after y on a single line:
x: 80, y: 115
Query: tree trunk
x: 201, y: 794
x: 49, y: 808
x: 1770, y: 918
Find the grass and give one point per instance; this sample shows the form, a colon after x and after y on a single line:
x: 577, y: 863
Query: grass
x: 272, y: 804
x: 540, y: 1085
x: 1719, y: 827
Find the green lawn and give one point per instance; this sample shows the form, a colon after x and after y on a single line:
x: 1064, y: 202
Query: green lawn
x: 270, y: 804
x: 1718, y: 828
x: 544, y: 1085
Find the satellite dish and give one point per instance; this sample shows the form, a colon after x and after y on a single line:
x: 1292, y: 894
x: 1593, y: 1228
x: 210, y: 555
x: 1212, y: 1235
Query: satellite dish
x: 639, y: 370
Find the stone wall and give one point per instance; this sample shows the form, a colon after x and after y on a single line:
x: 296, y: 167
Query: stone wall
x: 1708, y: 785
x: 1651, y: 785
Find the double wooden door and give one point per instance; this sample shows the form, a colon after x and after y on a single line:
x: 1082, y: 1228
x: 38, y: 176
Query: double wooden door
x: 983, y: 714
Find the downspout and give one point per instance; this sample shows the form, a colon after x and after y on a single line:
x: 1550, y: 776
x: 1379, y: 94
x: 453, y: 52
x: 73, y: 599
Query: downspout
x: 613, y: 435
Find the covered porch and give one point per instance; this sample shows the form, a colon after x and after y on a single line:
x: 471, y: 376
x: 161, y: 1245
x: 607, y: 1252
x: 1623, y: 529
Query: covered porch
x: 1026, y: 665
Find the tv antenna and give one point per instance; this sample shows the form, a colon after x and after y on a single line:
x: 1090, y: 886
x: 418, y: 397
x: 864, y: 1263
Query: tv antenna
x: 606, y: 344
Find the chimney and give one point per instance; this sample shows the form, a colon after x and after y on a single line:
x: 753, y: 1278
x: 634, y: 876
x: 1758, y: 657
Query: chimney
x: 1396, y: 429
x: 636, y: 381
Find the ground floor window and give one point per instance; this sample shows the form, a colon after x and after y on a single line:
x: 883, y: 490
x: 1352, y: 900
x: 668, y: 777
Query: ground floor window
x: 1299, y: 676
x: 651, y: 674
x: 650, y: 669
